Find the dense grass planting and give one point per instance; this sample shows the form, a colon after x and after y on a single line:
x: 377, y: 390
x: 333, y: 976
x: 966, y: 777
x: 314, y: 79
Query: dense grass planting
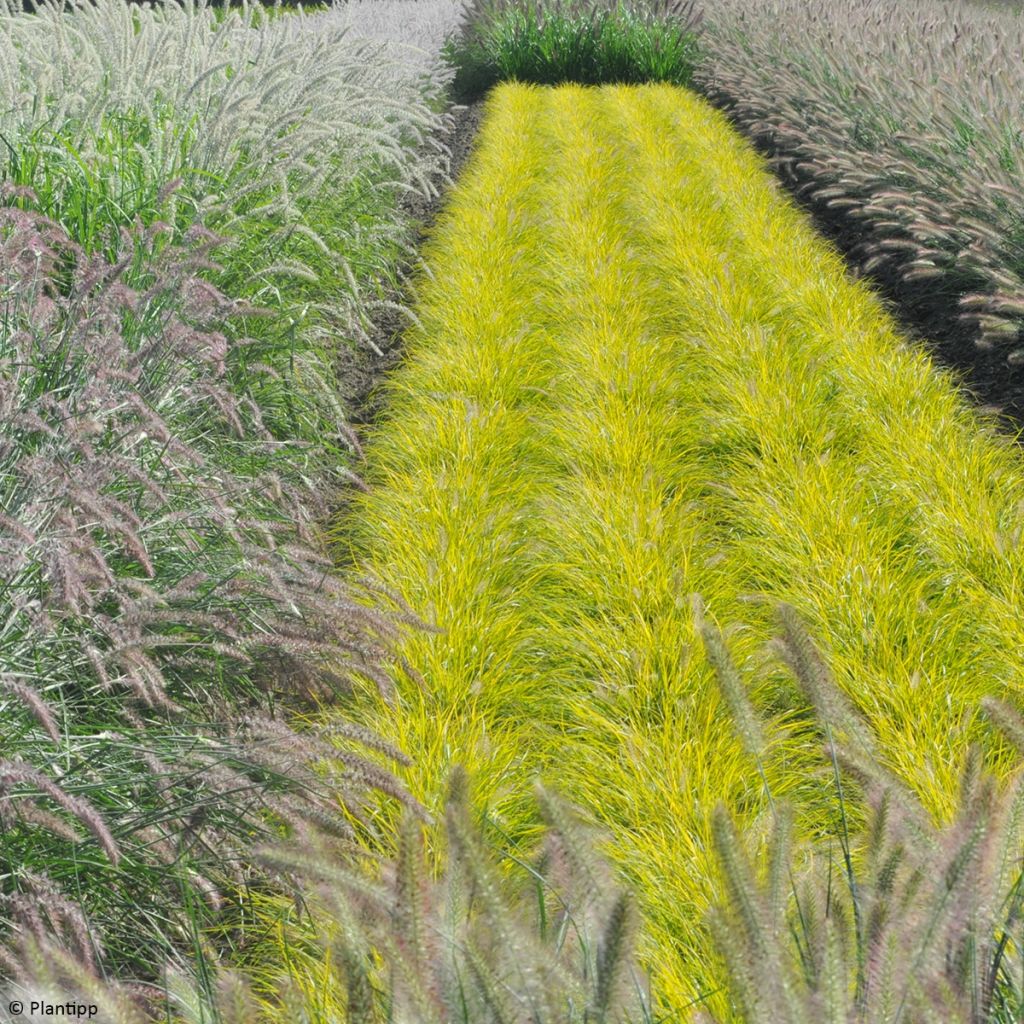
x: 639, y: 375
x: 662, y: 662
x: 904, y: 921
x: 554, y: 936
x: 567, y: 41
x: 152, y: 579
x: 904, y: 119
x: 130, y: 99
x: 194, y: 242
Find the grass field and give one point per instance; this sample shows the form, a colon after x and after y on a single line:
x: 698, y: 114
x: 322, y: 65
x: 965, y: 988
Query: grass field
x: 638, y: 376
x: 174, y: 344
x: 640, y: 399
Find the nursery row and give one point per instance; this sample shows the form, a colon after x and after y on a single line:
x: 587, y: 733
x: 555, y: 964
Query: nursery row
x: 900, y: 123
x: 194, y: 242
x: 640, y: 396
x: 638, y: 375
x: 897, y: 125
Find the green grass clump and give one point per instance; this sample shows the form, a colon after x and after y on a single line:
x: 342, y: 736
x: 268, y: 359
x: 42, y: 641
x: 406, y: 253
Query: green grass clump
x: 550, y: 43
x: 639, y: 374
x: 94, y: 181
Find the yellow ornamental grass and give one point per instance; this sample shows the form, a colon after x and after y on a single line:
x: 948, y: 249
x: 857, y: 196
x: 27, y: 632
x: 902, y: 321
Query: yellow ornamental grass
x: 639, y: 376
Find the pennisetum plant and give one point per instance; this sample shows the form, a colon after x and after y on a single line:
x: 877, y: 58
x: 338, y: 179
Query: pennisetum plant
x: 103, y: 103
x: 169, y: 439
x: 901, y: 123
x: 907, y: 920
x: 549, y: 941
x: 164, y: 592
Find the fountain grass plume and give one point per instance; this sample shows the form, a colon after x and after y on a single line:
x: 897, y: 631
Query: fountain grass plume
x: 919, y: 921
x: 165, y: 590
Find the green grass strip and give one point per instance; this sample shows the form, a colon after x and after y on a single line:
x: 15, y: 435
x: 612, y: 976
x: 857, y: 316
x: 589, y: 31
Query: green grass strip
x: 640, y: 375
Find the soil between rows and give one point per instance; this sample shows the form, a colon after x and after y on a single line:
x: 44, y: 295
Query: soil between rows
x: 360, y: 372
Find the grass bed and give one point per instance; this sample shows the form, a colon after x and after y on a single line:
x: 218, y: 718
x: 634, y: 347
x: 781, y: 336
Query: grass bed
x: 639, y: 375
x: 900, y: 125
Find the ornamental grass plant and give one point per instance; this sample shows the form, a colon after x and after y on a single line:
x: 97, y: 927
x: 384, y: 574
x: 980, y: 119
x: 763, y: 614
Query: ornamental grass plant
x: 547, y: 938
x: 301, y: 174
x: 904, y: 119
x: 906, y: 920
x: 552, y: 41
x: 235, y: 86
x: 902, y: 920
x: 172, y: 439
x: 638, y: 373
x: 165, y: 593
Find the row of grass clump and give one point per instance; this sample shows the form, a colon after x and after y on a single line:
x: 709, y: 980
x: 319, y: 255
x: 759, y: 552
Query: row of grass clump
x: 597, y: 420
x: 194, y: 240
x: 557, y: 41
x: 553, y: 525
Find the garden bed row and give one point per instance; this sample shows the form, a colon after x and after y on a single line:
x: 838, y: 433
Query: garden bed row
x: 639, y: 375
x: 634, y: 376
x: 897, y: 126
x: 196, y: 242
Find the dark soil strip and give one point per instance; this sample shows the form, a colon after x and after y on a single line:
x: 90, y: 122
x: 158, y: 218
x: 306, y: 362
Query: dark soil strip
x: 924, y: 311
x: 358, y: 378
x: 361, y: 371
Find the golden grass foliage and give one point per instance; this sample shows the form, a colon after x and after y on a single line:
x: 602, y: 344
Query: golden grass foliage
x: 638, y: 375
